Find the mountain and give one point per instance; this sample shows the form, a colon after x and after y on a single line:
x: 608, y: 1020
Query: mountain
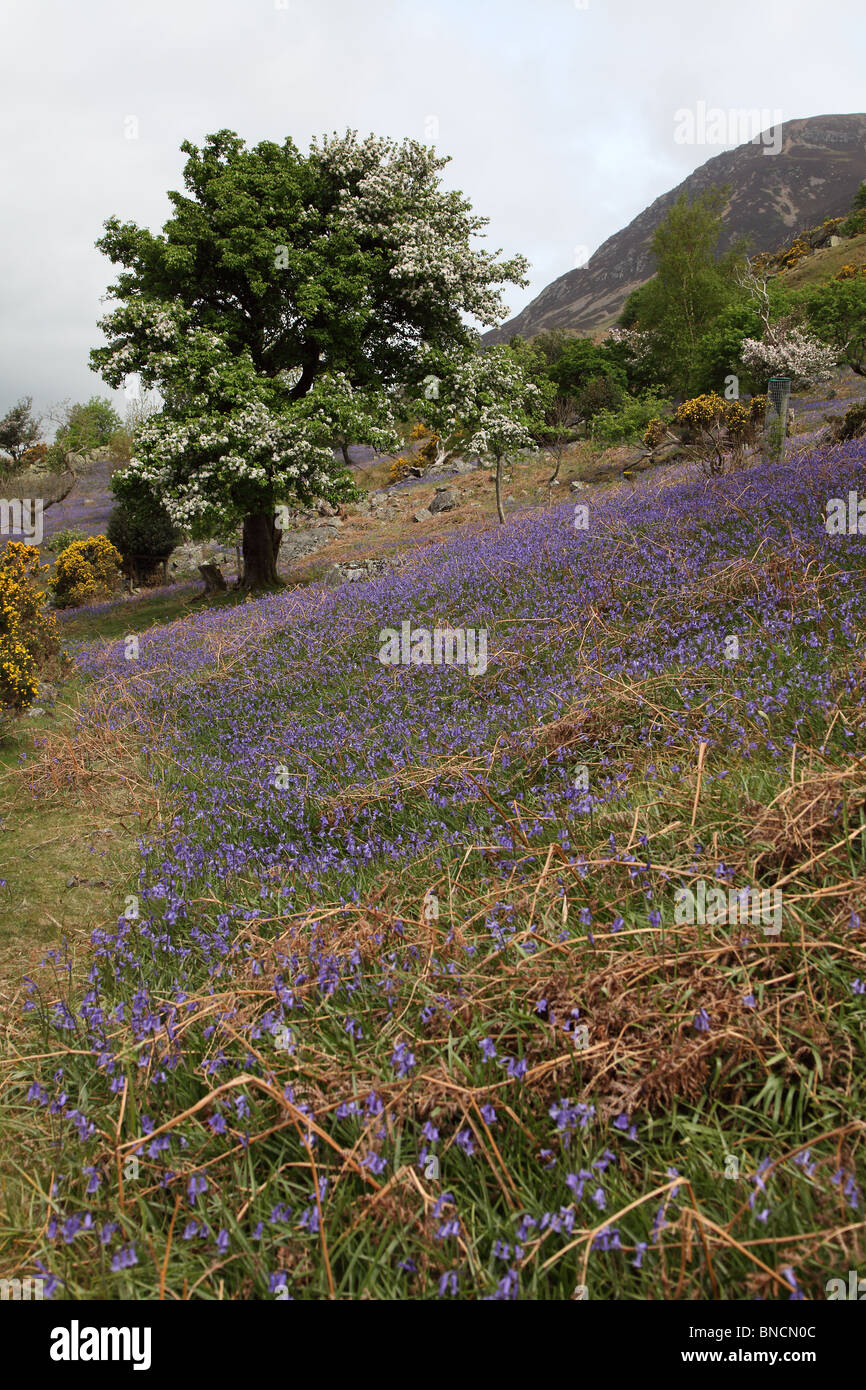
x: 816, y: 173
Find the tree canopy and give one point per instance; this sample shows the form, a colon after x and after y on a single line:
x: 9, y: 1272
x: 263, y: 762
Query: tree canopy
x: 286, y: 299
x: 19, y: 429
x: 693, y: 283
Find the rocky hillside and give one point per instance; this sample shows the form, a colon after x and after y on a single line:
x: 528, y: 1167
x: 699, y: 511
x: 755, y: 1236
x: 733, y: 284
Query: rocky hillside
x: 815, y: 175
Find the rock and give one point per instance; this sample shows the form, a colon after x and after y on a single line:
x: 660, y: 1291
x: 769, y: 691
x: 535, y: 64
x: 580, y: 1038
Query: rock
x: 423, y: 514
x: 446, y: 498
x: 464, y: 466
x: 297, y: 544
x: 324, y: 508
x: 351, y: 571
x: 187, y: 557
x: 34, y: 710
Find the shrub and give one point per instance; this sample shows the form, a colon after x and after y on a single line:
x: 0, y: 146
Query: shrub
x: 28, y: 634
x: 719, y: 430
x: 33, y: 457
x: 143, y: 534
x: 86, y: 571
x: 854, y: 224
x: 54, y: 459
x: 700, y: 413
x: 62, y: 539
x: 429, y: 451
x: 601, y: 393
x: 398, y: 470
x: 120, y: 445
x: 853, y: 423
x: 627, y: 424
x: 655, y: 432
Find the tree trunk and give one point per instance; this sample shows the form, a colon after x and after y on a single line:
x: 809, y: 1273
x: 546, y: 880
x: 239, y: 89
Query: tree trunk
x: 214, y: 583
x: 345, y: 452
x: 499, y: 490
x: 260, y: 546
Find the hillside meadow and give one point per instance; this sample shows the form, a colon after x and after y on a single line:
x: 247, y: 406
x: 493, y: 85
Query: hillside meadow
x: 538, y: 975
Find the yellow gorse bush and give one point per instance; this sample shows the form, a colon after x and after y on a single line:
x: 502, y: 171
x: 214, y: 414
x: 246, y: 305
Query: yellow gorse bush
x: 85, y: 572
x: 701, y: 412
x: 425, y: 456
x: 655, y: 432
x: 28, y: 632
x: 704, y: 412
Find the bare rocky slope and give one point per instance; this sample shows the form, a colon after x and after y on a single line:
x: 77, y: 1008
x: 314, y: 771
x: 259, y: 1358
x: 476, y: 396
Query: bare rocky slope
x: 814, y: 176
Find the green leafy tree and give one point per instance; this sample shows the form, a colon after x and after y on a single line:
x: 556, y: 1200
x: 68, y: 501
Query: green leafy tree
x: 692, y: 285
x: 717, y: 351
x: 288, y: 292
x: 579, y: 362
x: 836, y: 312
x: 19, y: 429
x: 86, y: 425
x: 577, y: 379
x: 143, y: 533
x: 490, y: 404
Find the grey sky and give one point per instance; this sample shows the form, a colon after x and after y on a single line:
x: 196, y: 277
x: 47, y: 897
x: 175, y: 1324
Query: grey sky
x: 560, y: 119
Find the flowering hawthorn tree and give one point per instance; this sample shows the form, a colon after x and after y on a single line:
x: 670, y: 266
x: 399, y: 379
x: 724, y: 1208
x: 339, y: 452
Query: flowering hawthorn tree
x: 637, y: 345
x: 286, y: 300
x: 789, y: 352
x: 782, y: 349
x: 489, y: 404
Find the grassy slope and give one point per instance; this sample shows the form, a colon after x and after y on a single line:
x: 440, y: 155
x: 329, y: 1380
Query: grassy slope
x: 825, y: 264
x: 737, y: 1176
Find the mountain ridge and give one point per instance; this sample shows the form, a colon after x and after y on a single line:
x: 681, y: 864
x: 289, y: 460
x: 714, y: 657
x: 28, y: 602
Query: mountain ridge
x: 772, y: 197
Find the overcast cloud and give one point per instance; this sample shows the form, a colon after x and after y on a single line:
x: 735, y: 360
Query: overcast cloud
x: 559, y: 118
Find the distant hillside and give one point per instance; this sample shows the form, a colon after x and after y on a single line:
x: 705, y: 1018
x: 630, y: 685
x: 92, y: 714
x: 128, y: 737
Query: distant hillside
x: 816, y: 174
